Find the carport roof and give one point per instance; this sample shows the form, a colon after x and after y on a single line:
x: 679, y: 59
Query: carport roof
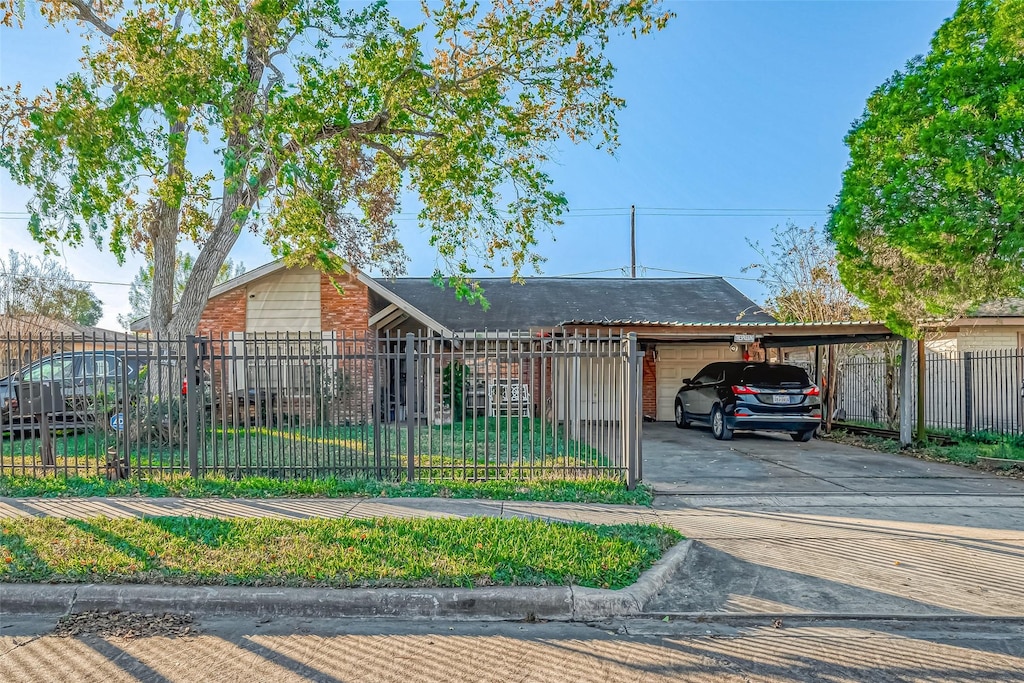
x: 770, y: 334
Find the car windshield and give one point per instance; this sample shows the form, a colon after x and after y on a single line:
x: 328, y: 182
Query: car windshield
x: 58, y: 368
x: 774, y: 376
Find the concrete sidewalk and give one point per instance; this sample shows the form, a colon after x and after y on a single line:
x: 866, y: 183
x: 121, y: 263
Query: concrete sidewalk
x: 333, y: 508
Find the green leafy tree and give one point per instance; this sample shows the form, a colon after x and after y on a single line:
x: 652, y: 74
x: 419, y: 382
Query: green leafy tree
x: 929, y: 221
x: 41, y: 286
x: 316, y: 118
x: 141, y: 292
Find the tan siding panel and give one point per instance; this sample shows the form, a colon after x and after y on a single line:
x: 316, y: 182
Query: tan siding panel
x: 988, y: 337
x: 285, y: 302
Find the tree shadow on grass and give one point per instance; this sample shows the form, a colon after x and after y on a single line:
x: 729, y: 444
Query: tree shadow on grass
x: 25, y: 564
x: 114, y: 541
x: 210, y: 532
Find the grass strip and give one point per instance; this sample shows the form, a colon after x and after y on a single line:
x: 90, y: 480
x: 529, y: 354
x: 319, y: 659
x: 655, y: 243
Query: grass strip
x: 964, y: 452
x: 560, y: 490
x: 478, y: 551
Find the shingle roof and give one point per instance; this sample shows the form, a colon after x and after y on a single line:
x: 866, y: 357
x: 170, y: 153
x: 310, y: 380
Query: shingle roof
x: 1004, y: 308
x: 548, y: 302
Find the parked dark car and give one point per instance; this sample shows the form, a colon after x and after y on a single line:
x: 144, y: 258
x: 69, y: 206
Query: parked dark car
x: 91, y: 382
x: 750, y: 396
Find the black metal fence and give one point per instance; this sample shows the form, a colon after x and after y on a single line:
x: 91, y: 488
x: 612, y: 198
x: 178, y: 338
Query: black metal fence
x: 478, y: 405
x: 980, y: 391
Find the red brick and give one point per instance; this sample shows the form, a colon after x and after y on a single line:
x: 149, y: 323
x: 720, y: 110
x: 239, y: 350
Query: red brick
x: 650, y: 384
x: 224, y: 314
x: 346, y: 311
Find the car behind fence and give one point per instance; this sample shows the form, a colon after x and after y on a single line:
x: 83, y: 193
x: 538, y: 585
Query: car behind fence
x: 477, y: 405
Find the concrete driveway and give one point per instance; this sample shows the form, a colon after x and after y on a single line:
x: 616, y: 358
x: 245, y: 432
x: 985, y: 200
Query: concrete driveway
x: 784, y: 527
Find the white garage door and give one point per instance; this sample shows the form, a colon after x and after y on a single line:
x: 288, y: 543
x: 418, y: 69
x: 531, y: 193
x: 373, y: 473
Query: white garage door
x: 678, y: 361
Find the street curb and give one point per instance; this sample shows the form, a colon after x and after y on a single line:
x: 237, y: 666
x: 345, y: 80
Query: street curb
x: 810, y: 618
x: 591, y: 604
x: 499, y: 603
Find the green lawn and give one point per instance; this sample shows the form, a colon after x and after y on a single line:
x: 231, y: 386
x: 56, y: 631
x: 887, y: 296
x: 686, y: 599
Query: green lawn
x: 569, y: 490
x: 328, y: 552
x: 480, y: 448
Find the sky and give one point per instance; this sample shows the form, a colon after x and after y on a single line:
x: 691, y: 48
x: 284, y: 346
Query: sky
x: 734, y: 124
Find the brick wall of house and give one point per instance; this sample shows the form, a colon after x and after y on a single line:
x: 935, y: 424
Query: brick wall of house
x: 347, y: 314
x: 224, y: 314
x: 348, y: 311
x: 650, y: 384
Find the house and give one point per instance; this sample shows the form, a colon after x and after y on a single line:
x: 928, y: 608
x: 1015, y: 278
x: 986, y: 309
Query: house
x: 991, y: 326
x: 974, y: 373
x: 681, y: 324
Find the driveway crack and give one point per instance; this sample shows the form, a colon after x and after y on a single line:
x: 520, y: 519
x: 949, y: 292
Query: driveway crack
x: 794, y: 469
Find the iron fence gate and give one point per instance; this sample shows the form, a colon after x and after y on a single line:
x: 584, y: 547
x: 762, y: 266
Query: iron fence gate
x: 477, y: 405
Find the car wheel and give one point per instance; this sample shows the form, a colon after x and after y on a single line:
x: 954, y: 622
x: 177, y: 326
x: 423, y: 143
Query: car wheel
x: 718, y: 426
x: 803, y: 436
x: 681, y: 421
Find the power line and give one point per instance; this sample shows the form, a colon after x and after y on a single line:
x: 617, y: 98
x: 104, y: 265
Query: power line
x: 64, y: 279
x: 689, y: 272
x: 681, y: 208
x: 610, y: 210
x: 592, y: 272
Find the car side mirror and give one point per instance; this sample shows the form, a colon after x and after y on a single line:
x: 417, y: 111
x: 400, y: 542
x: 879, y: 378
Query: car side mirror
x: 688, y: 380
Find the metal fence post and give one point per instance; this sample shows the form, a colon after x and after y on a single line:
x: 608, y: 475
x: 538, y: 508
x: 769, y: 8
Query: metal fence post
x: 192, y: 404
x: 637, y: 373
x: 378, y: 388
x: 410, y: 404
x: 968, y: 391
x: 906, y: 391
x: 629, y: 428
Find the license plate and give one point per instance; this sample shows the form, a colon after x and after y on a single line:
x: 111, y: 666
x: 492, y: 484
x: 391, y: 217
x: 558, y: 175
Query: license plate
x: 780, y: 398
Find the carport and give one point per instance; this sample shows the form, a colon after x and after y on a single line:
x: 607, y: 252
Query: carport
x: 674, y: 351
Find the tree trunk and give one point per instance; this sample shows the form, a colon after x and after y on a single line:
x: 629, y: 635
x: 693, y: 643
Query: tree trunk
x: 165, y: 249
x: 830, y: 397
x: 204, y: 273
x: 163, y: 236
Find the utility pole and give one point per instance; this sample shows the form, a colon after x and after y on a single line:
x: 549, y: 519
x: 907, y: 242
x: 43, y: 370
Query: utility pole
x: 632, y: 241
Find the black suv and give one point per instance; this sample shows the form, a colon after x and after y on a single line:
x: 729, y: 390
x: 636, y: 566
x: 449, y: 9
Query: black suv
x: 751, y: 396
x: 91, y: 382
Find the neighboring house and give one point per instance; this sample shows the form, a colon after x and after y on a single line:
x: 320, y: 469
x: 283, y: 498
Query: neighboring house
x: 974, y: 373
x: 682, y: 324
x: 992, y: 326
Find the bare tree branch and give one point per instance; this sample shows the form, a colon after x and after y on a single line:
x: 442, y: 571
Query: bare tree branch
x: 399, y: 159
x: 86, y: 14
x: 409, y: 131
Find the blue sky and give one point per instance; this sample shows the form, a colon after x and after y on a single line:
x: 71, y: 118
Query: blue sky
x: 736, y: 108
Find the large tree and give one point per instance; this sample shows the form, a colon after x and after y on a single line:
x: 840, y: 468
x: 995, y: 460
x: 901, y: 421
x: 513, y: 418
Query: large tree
x: 40, y: 286
x: 303, y: 121
x: 930, y: 219
x: 140, y: 294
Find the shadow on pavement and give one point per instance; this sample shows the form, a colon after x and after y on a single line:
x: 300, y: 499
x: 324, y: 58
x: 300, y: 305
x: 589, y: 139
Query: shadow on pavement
x: 712, y: 580
x: 387, y: 650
